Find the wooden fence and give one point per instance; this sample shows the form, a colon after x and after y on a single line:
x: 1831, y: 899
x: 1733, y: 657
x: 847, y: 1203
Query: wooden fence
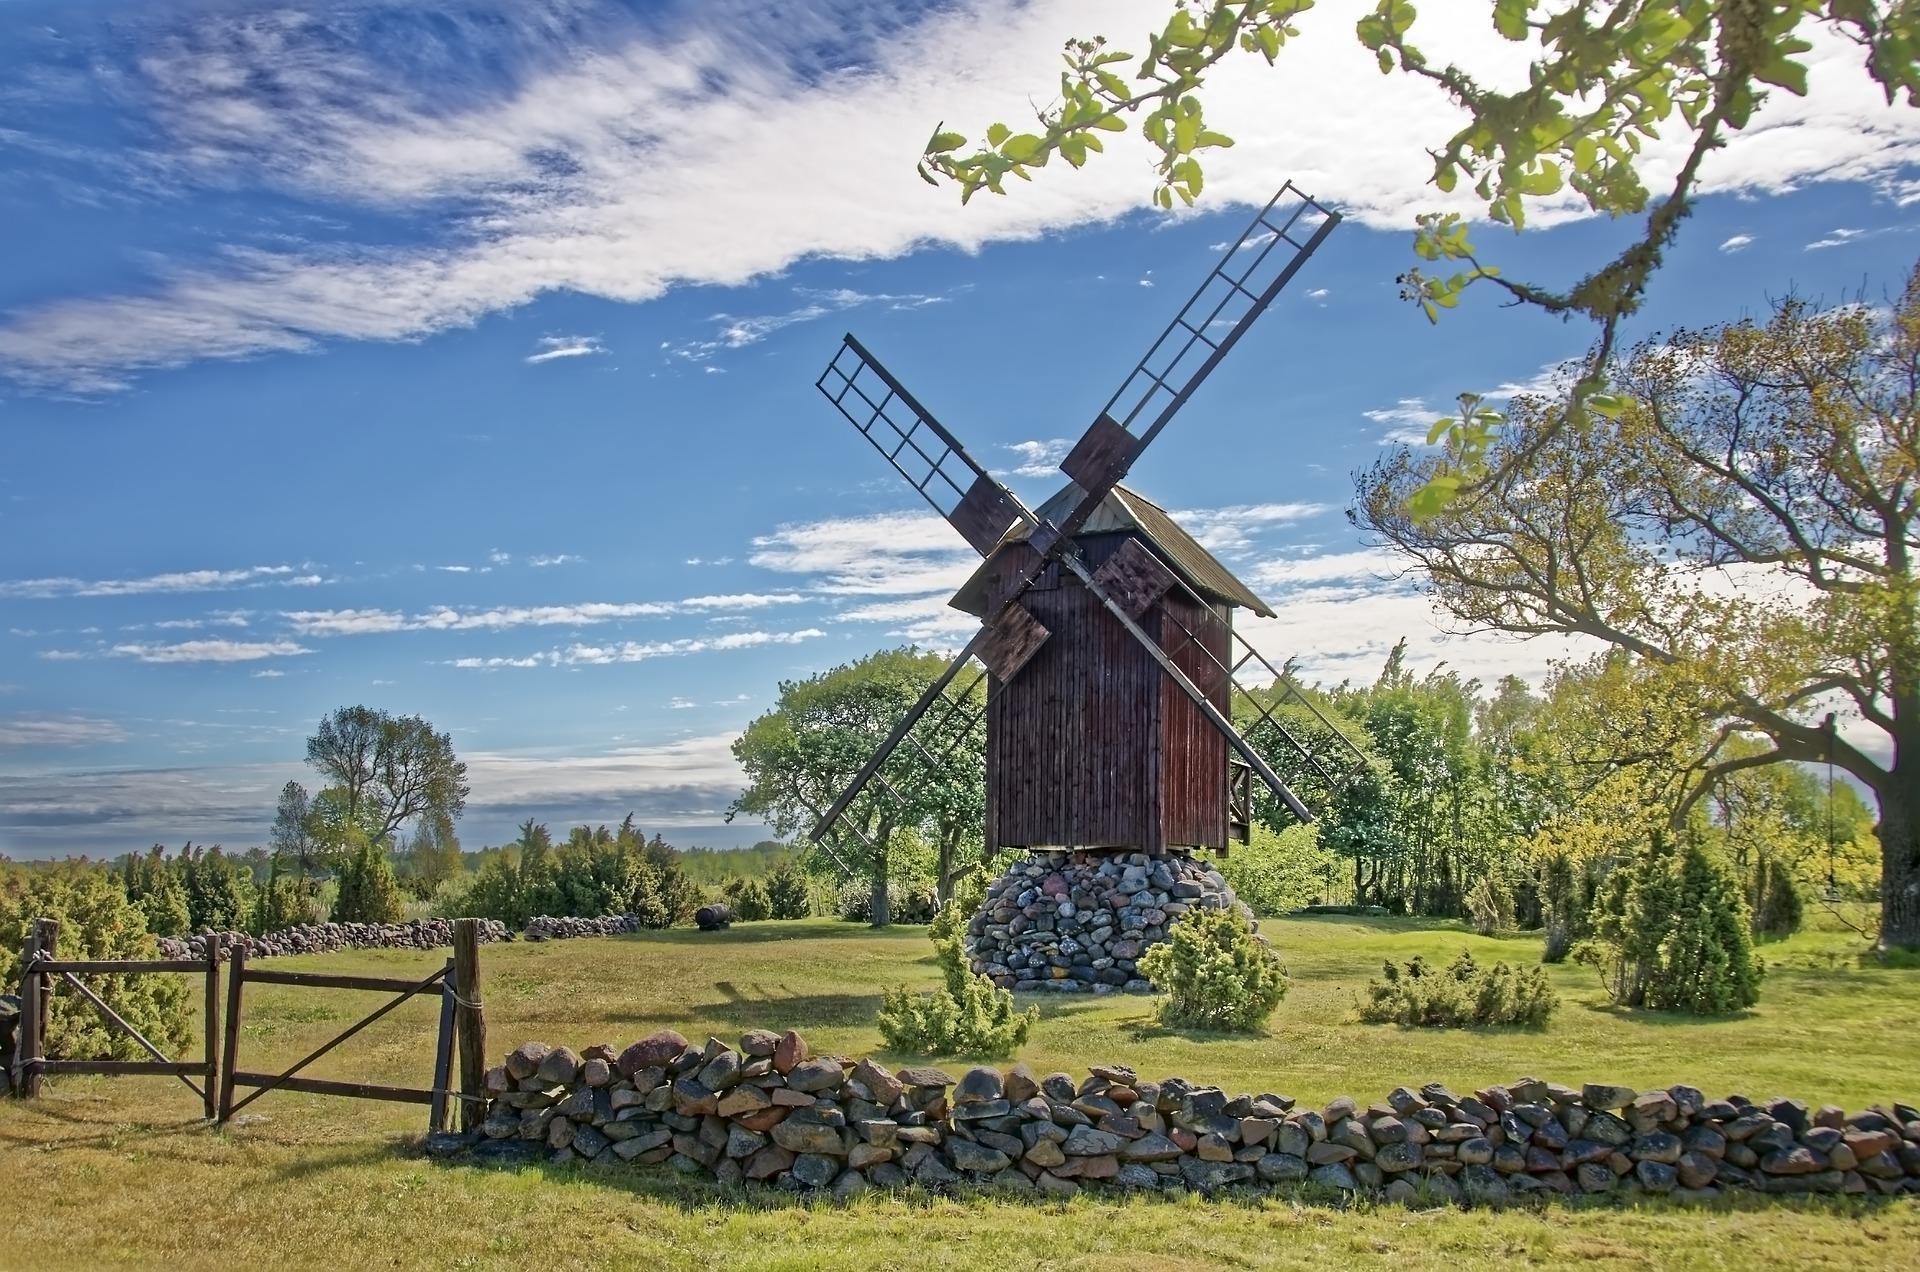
x: 462, y: 1023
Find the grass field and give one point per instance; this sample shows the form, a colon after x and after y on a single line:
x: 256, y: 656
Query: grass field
x: 118, y: 1172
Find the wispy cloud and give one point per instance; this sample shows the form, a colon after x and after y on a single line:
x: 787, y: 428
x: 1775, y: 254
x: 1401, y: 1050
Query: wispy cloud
x: 1233, y: 529
x: 33, y: 731
x: 365, y: 622
x: 1039, y: 458
x: 554, y: 348
x: 605, y: 153
x: 176, y: 581
x: 735, y: 332
x: 887, y: 554
x: 190, y: 651
x: 1407, y: 420
x: 1836, y: 238
x: 546, y: 562
x: 1736, y: 243
x: 583, y: 655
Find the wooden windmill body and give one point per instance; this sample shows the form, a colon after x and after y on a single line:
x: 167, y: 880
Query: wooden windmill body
x: 1089, y: 744
x: 1107, y: 639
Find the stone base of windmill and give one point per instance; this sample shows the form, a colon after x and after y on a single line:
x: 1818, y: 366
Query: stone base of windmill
x: 1078, y: 922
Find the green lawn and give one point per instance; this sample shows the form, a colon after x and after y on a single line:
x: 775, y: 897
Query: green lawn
x: 119, y: 1172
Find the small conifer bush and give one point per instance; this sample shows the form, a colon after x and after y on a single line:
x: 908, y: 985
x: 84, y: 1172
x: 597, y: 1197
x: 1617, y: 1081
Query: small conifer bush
x: 1465, y: 993
x: 968, y: 1015
x: 1215, y: 973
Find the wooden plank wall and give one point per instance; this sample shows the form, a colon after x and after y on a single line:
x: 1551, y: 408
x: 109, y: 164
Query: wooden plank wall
x: 1194, y: 779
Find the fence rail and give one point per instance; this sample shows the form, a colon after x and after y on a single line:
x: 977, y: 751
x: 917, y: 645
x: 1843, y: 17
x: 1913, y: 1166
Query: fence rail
x: 462, y: 1023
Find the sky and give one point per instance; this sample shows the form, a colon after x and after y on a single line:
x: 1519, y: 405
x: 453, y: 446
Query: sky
x: 461, y: 363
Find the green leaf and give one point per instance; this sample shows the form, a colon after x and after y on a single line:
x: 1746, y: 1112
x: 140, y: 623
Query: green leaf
x: 1022, y: 147
x: 1787, y: 74
x: 997, y: 133
x: 945, y: 141
x: 1439, y: 430
x: 1110, y: 123
x: 1510, y: 18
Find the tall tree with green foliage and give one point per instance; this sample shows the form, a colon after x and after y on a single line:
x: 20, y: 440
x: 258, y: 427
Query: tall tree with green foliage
x: 389, y: 769
x: 1745, y: 529
x: 1604, y: 77
x: 292, y: 838
x: 800, y: 755
x: 369, y: 892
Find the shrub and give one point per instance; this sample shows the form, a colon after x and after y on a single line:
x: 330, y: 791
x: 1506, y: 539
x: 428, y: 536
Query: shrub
x: 787, y: 892
x: 96, y: 922
x: 969, y: 1015
x: 1464, y: 994
x: 1215, y: 972
x: 748, y: 897
x: 1776, y: 905
x: 1277, y: 872
x: 369, y: 893
x: 1671, y: 933
x: 908, y: 904
x: 280, y: 902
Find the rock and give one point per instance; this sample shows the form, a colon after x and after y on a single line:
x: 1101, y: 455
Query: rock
x: 976, y: 1159
x: 1695, y: 1170
x: 596, y: 1072
x: 1655, y: 1176
x: 1020, y: 1085
x: 924, y: 1077
x: 1084, y: 1141
x: 721, y: 1072
x: 1152, y: 1147
x: 789, y: 1052
x: 1281, y: 1168
x: 524, y: 1060
x: 1601, y: 1096
x: 885, y: 1087
x: 1335, y: 1175
x: 655, y: 1051
x: 759, y: 1043
x: 807, y: 1137
x: 979, y: 1085
x: 814, y: 1076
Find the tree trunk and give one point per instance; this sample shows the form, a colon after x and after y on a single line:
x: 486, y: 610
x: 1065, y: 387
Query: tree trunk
x: 880, y: 905
x: 943, y: 871
x: 1899, y: 866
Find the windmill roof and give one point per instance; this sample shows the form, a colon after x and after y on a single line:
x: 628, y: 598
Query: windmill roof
x: 1128, y: 511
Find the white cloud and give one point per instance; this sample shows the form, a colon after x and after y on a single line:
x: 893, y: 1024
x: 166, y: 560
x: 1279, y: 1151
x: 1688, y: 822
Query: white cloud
x: 554, y: 348
x: 271, y: 673
x: 925, y: 620
x: 1318, y: 293
x: 214, y: 651
x: 1737, y: 242
x: 363, y: 622
x: 176, y: 581
x: 737, y: 333
x: 886, y: 554
x: 1040, y: 458
x: 544, y: 562
x: 1233, y: 529
x: 1409, y: 419
x: 682, y: 704
x: 620, y: 161
x: 631, y: 651
x: 1837, y: 238
x: 31, y: 731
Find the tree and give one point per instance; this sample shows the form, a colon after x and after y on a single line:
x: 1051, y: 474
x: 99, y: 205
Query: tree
x: 292, y: 836
x: 369, y: 893
x: 389, y: 769
x: 1605, y: 75
x: 787, y: 892
x: 432, y: 855
x: 800, y: 755
x: 1745, y: 530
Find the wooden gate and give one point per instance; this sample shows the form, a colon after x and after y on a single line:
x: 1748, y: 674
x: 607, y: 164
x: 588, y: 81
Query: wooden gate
x: 38, y: 973
x: 459, y: 1012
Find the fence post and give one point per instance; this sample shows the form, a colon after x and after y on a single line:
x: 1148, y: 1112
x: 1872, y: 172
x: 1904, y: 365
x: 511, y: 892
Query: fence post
x: 471, y: 1019
x: 236, y: 976
x: 46, y: 935
x: 26, y: 1043
x: 443, y: 1054
x: 210, y: 1091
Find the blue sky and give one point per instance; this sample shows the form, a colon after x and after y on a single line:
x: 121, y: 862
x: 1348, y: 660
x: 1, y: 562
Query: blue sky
x: 463, y: 365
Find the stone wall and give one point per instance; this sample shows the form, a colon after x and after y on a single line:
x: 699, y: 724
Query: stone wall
x: 328, y: 938
x: 770, y: 1112
x: 1077, y: 922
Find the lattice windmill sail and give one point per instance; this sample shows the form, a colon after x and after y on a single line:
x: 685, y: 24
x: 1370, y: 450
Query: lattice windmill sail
x: 1107, y: 638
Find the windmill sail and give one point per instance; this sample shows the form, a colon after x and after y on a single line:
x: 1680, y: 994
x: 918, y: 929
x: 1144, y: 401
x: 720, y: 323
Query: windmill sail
x: 1262, y: 261
x: 919, y: 447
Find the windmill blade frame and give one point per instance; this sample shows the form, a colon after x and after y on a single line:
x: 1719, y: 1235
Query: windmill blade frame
x: 920, y: 448
x: 1236, y: 291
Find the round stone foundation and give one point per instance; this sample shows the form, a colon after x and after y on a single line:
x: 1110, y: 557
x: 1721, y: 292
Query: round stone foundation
x: 1078, y: 922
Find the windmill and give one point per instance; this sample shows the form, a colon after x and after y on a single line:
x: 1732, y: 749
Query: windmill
x: 1106, y: 635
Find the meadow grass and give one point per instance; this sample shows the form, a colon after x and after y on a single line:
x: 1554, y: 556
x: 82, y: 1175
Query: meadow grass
x: 105, y: 1172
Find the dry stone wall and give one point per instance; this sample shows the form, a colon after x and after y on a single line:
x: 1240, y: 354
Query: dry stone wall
x: 1078, y: 922
x: 770, y: 1112
x: 329, y: 938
